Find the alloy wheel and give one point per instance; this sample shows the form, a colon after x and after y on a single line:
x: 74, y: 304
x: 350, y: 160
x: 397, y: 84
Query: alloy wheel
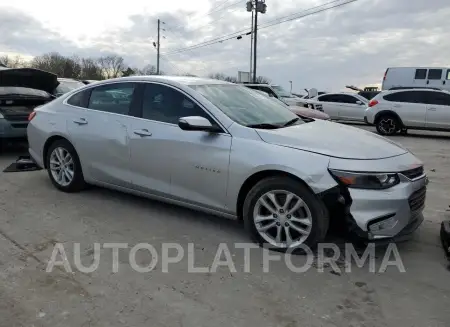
x: 282, y: 219
x: 388, y: 126
x: 62, y: 166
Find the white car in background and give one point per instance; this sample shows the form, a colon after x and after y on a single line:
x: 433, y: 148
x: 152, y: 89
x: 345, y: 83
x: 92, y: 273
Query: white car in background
x: 400, y: 110
x: 342, y: 106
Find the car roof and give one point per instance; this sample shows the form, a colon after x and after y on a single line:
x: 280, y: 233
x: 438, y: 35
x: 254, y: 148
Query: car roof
x: 185, y: 80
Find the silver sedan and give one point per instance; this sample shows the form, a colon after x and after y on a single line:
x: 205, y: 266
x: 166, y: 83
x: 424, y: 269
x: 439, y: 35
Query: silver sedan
x: 222, y: 148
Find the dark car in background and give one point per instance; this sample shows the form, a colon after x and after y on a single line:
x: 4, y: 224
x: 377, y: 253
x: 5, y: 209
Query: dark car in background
x: 89, y: 81
x: 21, y: 91
x: 66, y: 85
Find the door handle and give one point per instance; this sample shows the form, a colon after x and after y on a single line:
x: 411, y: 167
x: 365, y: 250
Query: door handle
x: 80, y: 121
x: 432, y: 109
x: 397, y: 106
x: 142, y: 132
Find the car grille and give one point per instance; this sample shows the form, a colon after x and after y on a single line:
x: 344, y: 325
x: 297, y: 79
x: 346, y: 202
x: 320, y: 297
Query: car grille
x: 413, y: 173
x: 417, y: 199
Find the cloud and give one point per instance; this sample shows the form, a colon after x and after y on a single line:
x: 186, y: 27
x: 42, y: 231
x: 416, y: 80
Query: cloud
x: 353, y: 44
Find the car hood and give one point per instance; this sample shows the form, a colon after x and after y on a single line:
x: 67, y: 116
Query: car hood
x: 334, y: 140
x: 29, y: 78
x: 311, y: 113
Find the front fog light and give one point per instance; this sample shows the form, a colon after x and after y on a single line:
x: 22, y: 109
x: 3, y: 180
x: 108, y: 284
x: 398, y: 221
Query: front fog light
x: 384, y: 224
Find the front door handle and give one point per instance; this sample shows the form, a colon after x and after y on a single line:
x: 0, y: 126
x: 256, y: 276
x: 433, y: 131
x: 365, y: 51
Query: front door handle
x: 80, y: 121
x: 142, y: 132
x: 432, y: 109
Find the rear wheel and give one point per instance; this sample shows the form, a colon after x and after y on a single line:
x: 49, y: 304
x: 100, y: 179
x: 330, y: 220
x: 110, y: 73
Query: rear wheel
x: 388, y: 125
x: 64, y: 168
x: 284, y: 214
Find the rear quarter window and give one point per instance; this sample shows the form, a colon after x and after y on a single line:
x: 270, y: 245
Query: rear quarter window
x: 79, y: 99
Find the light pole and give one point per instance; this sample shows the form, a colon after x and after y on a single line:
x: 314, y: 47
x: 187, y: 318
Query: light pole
x: 256, y: 6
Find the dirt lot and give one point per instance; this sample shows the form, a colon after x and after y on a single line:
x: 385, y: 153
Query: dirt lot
x: 34, y: 217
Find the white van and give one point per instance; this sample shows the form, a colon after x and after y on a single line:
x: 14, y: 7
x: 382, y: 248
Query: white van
x: 414, y: 77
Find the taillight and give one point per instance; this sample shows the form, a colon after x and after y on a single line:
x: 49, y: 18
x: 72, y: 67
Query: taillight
x: 31, y: 115
x: 373, y: 103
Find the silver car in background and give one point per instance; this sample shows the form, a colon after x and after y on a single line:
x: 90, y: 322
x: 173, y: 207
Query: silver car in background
x: 224, y: 149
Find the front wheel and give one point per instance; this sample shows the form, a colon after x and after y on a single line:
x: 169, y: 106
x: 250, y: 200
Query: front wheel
x: 388, y: 125
x: 284, y: 214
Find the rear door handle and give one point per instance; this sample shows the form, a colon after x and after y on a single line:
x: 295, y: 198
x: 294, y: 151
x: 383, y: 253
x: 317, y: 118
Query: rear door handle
x: 80, y: 121
x: 142, y: 132
x: 432, y: 109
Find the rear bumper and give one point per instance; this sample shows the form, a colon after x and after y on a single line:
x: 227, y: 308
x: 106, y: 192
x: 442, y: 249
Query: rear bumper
x: 13, y: 129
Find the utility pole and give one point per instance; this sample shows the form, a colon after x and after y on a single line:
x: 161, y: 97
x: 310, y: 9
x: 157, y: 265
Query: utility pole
x: 157, y: 50
x: 251, y: 51
x: 257, y: 6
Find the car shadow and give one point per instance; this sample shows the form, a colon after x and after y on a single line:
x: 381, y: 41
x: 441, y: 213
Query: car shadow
x: 13, y: 147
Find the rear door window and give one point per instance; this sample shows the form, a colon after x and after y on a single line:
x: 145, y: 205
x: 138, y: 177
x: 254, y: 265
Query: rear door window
x: 348, y: 99
x: 328, y: 98
x: 114, y: 98
x: 448, y: 75
x: 421, y: 74
x: 407, y: 97
x: 435, y: 74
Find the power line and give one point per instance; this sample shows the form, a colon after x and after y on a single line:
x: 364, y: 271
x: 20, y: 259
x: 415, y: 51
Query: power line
x: 239, y: 34
x: 219, y: 8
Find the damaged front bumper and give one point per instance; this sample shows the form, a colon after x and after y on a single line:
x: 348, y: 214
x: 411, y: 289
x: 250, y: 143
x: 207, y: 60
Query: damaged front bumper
x: 373, y: 214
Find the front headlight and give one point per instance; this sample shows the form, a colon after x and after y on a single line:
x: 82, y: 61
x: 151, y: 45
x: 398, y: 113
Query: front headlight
x: 377, y: 181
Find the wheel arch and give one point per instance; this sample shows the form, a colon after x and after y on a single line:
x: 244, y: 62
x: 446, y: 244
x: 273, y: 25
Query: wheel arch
x: 47, y: 145
x: 387, y: 113
x: 256, y: 177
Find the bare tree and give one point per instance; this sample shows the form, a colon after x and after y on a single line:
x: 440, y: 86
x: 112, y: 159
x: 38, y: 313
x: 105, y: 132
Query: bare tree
x: 223, y: 77
x: 12, y: 62
x: 262, y: 80
x: 111, y: 66
x: 147, y: 70
x: 90, y: 69
x: 57, y: 64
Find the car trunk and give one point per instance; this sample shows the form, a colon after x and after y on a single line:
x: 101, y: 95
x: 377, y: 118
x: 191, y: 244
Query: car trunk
x: 16, y: 103
x: 28, y: 78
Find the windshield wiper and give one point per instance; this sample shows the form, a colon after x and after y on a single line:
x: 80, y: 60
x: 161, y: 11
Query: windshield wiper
x: 264, y: 126
x: 291, y: 122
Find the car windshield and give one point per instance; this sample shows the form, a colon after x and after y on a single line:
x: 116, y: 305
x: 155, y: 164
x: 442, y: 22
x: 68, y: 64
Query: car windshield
x: 67, y: 86
x: 281, y: 91
x: 245, y: 106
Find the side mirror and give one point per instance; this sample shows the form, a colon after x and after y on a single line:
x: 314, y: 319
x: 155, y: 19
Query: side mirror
x: 196, y: 123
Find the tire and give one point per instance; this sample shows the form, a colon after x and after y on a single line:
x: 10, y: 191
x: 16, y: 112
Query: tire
x: 388, y: 125
x: 318, y: 215
x: 77, y: 182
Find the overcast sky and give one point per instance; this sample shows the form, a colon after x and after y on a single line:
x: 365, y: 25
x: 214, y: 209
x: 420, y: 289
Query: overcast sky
x: 352, y: 44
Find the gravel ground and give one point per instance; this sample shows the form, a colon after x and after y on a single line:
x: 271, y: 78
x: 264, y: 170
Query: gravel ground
x: 34, y: 216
